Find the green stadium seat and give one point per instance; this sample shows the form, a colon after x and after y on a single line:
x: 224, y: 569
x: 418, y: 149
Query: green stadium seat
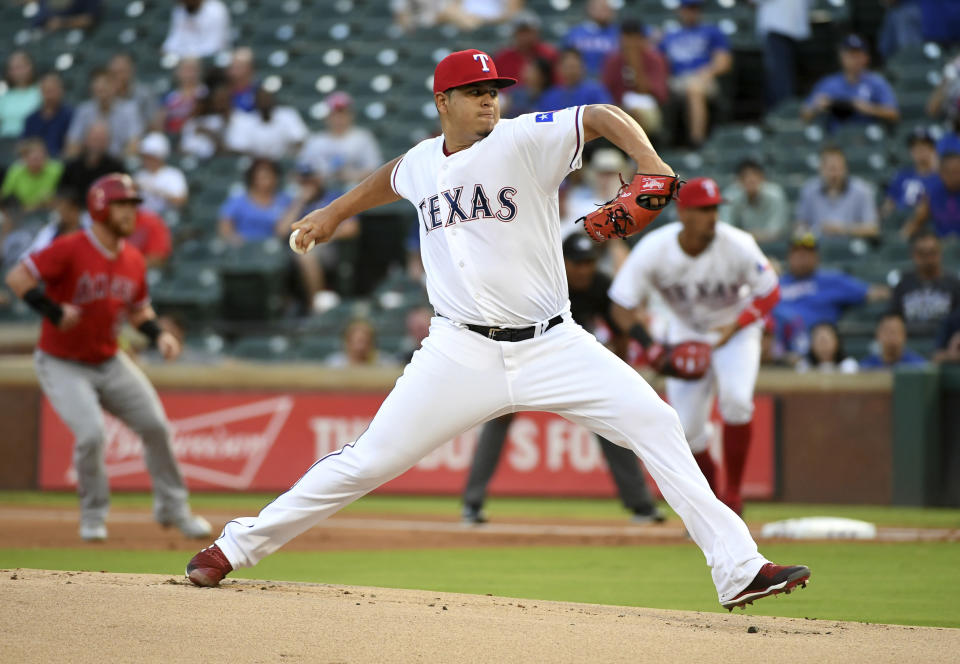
x: 923, y: 344
x: 16, y: 311
x: 392, y: 344
x: 192, y: 295
x: 798, y: 161
x: 786, y: 116
x: 921, y: 80
x: 858, y: 346
x: 334, y: 320
x: 832, y: 11
x: 275, y: 348
x: 894, y: 249
x: 913, y: 106
x: 951, y: 254
x: 390, y: 321
x: 319, y: 347
x: 855, y: 135
x: 253, y: 280
x: 867, y: 161
x: 877, y: 271
x: 775, y: 249
x: 926, y: 53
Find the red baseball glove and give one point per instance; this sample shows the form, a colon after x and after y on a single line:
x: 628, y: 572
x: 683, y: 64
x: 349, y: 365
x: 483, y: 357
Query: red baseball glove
x: 636, y: 204
x: 688, y: 360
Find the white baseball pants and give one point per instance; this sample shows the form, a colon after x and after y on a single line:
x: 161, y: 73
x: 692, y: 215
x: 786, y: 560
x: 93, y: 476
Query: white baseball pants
x: 459, y: 379
x: 732, y: 377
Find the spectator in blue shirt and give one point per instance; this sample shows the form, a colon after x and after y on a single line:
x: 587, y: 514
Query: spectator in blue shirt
x: 596, y: 38
x: 854, y: 94
x: 949, y: 142
x: 892, y: 340
x: 901, y: 27
x: 52, y: 120
x: 940, y: 20
x: 782, y: 26
x: 67, y: 14
x: 809, y: 295
x: 527, y: 97
x: 574, y: 88
x: 697, y: 54
x: 941, y: 201
x: 907, y: 186
x: 255, y: 214
x: 242, y: 79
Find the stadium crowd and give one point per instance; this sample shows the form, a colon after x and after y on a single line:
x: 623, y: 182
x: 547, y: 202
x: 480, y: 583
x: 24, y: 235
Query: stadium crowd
x: 674, y: 78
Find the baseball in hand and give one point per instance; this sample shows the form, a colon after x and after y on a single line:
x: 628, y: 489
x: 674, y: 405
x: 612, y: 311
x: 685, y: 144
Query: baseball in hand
x: 295, y: 247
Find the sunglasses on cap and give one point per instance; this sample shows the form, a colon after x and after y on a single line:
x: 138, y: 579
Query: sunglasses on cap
x: 806, y: 240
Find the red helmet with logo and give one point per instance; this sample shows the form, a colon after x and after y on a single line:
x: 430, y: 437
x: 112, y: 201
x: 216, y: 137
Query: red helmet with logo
x: 465, y: 67
x: 108, y: 189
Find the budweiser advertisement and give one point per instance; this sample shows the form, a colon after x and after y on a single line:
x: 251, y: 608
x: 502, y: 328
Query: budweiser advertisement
x: 244, y: 441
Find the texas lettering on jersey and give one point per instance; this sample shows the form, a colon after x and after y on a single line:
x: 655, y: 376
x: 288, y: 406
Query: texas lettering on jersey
x: 452, y: 206
x: 708, y: 292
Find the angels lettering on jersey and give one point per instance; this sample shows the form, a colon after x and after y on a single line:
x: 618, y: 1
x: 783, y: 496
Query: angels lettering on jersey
x: 92, y: 287
x: 460, y: 205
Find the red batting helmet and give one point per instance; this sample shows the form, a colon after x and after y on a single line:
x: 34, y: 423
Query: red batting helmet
x: 108, y: 189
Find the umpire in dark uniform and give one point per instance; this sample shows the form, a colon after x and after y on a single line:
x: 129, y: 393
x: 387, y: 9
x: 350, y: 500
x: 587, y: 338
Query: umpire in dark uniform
x: 588, y: 301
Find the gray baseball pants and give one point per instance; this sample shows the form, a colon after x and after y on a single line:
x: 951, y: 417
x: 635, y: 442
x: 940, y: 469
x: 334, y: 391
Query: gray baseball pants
x: 77, y: 391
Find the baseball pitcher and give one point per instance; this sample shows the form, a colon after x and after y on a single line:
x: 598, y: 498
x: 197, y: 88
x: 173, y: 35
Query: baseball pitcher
x: 503, y: 339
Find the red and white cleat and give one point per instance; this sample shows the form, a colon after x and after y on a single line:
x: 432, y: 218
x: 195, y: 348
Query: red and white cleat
x: 208, y: 567
x: 770, y: 580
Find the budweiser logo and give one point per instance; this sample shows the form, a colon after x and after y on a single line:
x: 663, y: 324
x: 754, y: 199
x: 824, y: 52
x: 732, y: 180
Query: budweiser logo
x: 223, y: 447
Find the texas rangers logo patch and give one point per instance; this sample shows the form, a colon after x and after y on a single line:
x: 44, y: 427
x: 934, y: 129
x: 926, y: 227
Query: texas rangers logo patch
x: 544, y: 117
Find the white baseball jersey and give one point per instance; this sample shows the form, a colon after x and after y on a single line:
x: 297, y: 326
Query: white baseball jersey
x: 701, y: 292
x: 489, y: 218
x: 490, y: 240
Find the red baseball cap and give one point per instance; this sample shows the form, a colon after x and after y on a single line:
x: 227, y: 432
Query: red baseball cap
x: 699, y: 192
x: 465, y: 67
x: 339, y: 101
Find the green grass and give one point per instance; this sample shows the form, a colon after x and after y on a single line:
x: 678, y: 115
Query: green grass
x: 905, y: 583
x: 571, y: 508
x: 910, y: 584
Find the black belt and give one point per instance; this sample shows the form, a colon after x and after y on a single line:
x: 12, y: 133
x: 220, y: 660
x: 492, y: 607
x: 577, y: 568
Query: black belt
x: 512, y: 333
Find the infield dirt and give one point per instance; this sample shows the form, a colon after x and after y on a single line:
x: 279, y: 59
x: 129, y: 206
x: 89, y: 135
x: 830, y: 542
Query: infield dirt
x: 83, y: 617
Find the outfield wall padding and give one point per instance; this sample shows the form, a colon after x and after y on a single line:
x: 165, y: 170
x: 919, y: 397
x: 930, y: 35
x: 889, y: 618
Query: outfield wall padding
x: 835, y: 432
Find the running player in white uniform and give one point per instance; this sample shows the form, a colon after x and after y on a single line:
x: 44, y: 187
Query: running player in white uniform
x: 502, y: 340
x: 717, y: 285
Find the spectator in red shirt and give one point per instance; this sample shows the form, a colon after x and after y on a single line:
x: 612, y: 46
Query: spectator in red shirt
x: 152, y: 237
x: 636, y: 76
x: 527, y: 47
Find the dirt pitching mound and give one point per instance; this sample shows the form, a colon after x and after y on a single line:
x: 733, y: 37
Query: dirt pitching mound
x: 98, y: 617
